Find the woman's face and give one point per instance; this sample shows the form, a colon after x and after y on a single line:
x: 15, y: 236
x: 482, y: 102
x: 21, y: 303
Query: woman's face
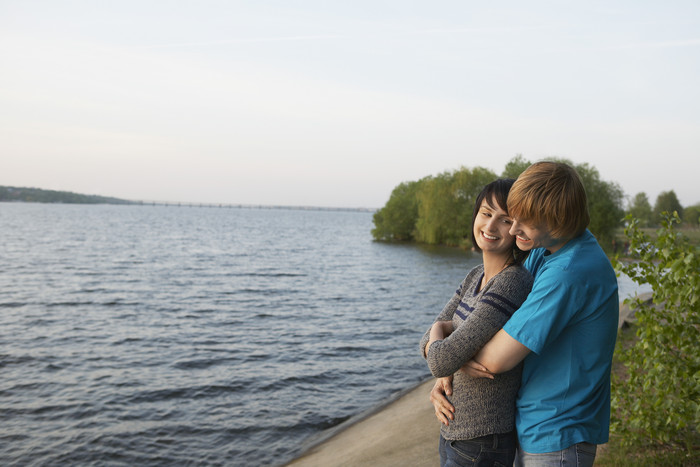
x: 491, y: 229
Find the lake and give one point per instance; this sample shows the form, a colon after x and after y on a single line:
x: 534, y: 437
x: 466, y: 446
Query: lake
x: 154, y: 335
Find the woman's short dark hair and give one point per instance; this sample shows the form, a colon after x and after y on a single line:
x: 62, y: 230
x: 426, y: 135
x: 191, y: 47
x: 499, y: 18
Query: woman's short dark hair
x: 496, y: 191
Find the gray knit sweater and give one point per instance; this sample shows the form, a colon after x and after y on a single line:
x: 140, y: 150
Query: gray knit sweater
x: 482, y: 406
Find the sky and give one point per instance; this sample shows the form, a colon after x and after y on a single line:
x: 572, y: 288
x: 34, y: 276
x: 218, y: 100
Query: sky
x: 333, y: 104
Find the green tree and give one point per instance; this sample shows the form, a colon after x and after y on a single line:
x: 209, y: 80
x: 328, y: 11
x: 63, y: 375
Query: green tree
x: 445, y: 204
x: 667, y: 201
x: 515, y: 167
x: 466, y: 186
x: 640, y: 209
x: 604, y: 203
x: 397, y: 219
x: 604, y: 198
x: 658, y: 400
x: 435, y: 205
x: 437, y: 209
x: 691, y: 215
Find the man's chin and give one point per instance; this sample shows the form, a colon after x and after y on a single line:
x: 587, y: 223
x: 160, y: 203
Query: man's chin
x: 524, y: 246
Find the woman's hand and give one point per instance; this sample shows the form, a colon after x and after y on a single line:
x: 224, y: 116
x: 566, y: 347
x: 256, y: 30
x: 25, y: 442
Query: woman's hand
x: 444, y: 411
x: 476, y: 370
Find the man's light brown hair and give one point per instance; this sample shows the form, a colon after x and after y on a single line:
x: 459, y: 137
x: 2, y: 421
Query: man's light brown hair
x: 550, y: 195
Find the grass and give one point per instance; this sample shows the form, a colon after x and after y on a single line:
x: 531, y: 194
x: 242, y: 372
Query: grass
x: 616, y: 454
x: 658, y: 456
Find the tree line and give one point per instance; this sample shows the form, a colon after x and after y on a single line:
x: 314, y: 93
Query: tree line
x: 437, y: 209
x: 36, y: 195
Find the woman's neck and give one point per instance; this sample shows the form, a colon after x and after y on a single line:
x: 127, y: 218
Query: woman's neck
x: 493, y: 264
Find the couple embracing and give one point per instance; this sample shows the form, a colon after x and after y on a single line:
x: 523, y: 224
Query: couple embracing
x: 523, y: 350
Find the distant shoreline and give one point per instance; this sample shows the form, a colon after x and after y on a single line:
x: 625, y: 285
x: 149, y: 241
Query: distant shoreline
x: 37, y: 195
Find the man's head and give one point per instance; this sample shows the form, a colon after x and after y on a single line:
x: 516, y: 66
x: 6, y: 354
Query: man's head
x: 549, y: 198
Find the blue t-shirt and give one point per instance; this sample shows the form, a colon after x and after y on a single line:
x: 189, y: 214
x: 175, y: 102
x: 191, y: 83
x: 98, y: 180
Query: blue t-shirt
x: 569, y: 322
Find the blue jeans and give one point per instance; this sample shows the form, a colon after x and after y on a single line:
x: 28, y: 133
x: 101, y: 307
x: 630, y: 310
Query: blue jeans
x: 489, y: 450
x: 578, y: 455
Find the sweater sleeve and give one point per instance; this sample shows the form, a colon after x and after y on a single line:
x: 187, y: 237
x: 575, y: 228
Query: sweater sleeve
x: 445, y: 315
x: 493, y: 309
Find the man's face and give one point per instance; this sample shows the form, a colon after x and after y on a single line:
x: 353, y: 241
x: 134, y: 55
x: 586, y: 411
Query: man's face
x: 528, y: 237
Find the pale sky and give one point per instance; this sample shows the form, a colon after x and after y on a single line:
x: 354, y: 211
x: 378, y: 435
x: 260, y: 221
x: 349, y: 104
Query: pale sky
x: 330, y: 103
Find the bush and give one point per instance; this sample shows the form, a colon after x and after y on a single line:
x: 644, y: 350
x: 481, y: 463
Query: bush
x: 657, y: 400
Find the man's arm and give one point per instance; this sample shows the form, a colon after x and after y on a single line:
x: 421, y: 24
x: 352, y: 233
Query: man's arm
x: 500, y: 354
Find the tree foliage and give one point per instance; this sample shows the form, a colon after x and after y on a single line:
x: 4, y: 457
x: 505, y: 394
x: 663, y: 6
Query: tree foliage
x: 437, y: 209
x: 691, y: 215
x: 445, y: 205
x: 605, y: 199
x: 36, y: 195
x: 667, y: 201
x: 515, y: 167
x: 604, y: 203
x: 640, y: 209
x: 659, y: 397
x: 397, y: 219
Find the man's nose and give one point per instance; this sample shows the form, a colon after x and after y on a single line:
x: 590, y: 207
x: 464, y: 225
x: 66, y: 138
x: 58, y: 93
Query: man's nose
x: 513, y: 228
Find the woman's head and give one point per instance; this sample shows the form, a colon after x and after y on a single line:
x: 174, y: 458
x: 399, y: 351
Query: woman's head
x: 495, y: 196
x: 550, y: 196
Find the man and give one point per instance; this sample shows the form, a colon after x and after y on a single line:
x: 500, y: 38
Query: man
x: 564, y: 331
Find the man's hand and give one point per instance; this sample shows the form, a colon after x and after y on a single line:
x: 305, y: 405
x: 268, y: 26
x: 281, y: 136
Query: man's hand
x: 476, y: 370
x: 444, y: 411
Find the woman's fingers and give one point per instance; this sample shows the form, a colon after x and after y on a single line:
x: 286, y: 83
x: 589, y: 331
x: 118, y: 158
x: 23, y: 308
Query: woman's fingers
x: 444, y: 410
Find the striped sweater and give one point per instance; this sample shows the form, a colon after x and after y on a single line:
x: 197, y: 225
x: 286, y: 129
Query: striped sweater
x: 482, y: 406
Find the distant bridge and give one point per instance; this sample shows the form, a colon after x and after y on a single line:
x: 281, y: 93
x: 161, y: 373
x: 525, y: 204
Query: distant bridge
x: 244, y: 206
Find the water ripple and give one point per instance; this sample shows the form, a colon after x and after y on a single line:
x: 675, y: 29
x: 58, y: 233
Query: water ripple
x: 159, y: 336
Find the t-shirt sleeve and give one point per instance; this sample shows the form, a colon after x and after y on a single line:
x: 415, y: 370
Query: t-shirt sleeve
x: 546, y: 312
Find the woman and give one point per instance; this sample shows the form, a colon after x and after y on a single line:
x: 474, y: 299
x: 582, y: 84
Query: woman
x: 481, y: 429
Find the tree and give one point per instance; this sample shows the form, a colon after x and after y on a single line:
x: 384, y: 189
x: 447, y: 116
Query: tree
x: 640, y: 209
x: 466, y: 186
x: 658, y: 400
x: 604, y: 198
x: 604, y: 202
x: 437, y: 209
x: 691, y: 215
x: 445, y: 204
x: 397, y: 219
x: 515, y: 167
x: 435, y: 206
x: 667, y: 201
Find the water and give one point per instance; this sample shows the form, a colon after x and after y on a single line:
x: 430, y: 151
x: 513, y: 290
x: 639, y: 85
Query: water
x: 153, y: 335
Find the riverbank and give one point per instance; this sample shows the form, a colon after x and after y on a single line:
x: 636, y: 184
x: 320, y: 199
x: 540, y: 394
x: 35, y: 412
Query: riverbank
x: 402, y: 432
